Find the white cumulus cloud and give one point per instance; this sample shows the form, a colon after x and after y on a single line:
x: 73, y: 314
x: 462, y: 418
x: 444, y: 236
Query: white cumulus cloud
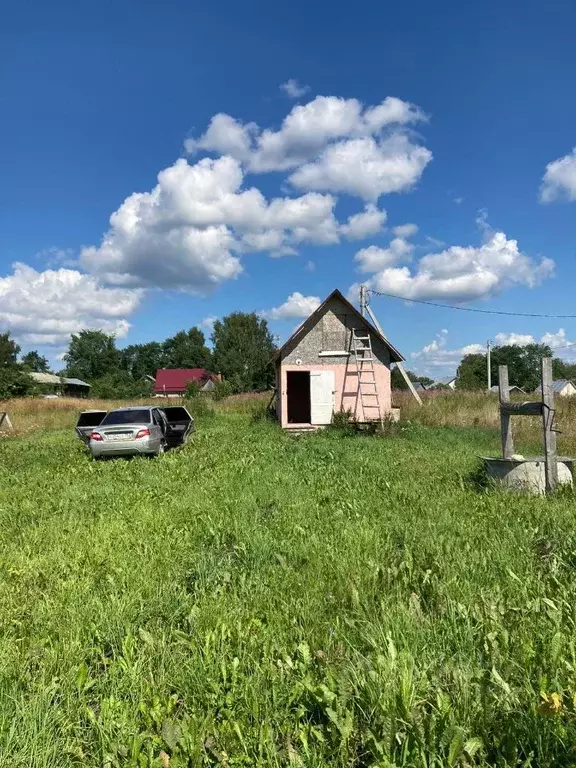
x: 514, y: 339
x: 374, y: 259
x: 191, y: 229
x: 46, y: 307
x: 296, y: 306
x: 368, y: 222
x: 462, y: 274
x: 293, y: 89
x: 365, y: 167
x: 559, y: 180
x: 436, y: 355
x: 405, y: 230
x: 323, y: 139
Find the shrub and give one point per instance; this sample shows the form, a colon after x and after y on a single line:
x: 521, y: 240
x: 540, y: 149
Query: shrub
x: 15, y: 383
x: 200, y: 408
x: 193, y: 389
x: 222, y: 389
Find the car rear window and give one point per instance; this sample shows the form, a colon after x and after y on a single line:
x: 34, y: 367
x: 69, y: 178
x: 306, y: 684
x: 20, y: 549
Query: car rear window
x: 127, y: 417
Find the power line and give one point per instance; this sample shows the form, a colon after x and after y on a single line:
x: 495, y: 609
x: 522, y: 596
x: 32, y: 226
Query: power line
x: 469, y: 309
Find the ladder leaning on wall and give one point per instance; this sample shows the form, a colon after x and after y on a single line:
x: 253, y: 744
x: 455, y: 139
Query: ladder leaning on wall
x: 361, y: 348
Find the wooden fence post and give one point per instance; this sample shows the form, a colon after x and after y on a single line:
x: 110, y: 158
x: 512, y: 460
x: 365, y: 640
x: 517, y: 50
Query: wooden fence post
x: 550, y: 455
x: 505, y: 423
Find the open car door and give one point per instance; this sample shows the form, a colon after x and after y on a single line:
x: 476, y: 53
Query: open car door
x: 180, y: 424
x: 86, y: 423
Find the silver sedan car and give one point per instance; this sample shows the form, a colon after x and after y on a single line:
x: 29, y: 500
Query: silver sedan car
x: 129, y: 431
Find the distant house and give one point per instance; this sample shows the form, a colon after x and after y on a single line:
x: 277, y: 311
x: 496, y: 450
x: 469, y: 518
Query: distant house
x: 335, y: 361
x: 419, y: 387
x: 172, y: 382
x: 513, y: 389
x: 61, y: 385
x: 560, y: 387
x: 447, y: 381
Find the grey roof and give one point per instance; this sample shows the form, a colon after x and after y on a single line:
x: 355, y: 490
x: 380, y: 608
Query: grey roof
x: 446, y: 380
x: 44, y: 378
x: 557, y: 386
x: 495, y: 388
x: 76, y: 382
x: 50, y: 378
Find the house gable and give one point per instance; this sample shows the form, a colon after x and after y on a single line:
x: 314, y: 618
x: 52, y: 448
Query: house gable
x: 329, y: 330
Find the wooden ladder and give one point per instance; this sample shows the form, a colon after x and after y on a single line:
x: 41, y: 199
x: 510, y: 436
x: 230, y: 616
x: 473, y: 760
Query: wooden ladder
x: 361, y: 347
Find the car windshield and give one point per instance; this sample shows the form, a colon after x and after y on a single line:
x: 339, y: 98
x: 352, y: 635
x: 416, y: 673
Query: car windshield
x: 127, y: 417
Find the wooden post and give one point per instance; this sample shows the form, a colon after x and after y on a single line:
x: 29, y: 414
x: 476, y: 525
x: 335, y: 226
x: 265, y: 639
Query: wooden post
x: 398, y: 365
x: 505, y: 423
x: 550, y: 455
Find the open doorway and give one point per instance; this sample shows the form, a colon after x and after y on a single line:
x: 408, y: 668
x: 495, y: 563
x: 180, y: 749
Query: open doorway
x: 298, y: 396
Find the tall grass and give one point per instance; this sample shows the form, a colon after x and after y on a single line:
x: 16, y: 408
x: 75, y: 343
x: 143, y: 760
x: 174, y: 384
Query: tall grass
x: 261, y: 599
x: 471, y: 409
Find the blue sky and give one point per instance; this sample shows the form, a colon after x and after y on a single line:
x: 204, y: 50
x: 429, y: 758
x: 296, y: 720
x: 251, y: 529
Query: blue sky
x: 456, y: 118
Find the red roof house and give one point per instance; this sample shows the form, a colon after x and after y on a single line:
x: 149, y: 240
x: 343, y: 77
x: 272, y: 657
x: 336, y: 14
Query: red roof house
x: 173, y: 381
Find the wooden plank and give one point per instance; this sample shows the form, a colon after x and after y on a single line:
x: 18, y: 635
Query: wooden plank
x: 505, y: 423
x: 400, y: 366
x: 550, y: 453
x: 522, y: 409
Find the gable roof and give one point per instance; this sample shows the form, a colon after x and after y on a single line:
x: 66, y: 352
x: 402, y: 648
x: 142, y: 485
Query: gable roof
x: 446, y: 380
x: 557, y: 386
x: 177, y: 379
x: 50, y: 378
x: 512, y: 387
x: 303, y: 329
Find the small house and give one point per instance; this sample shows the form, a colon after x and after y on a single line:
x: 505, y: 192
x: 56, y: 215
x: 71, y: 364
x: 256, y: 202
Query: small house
x: 172, y: 382
x: 560, y: 387
x: 513, y: 389
x: 61, y: 385
x: 447, y: 381
x: 335, y: 361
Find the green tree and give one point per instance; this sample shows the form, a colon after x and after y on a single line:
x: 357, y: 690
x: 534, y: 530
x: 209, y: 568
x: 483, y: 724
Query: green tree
x: 563, y: 370
x: 141, y: 360
x: 119, y: 385
x: 472, y: 372
x: 187, y: 349
x: 243, y: 351
x: 35, y: 362
x: 9, y: 351
x: 91, y: 355
x: 523, y: 366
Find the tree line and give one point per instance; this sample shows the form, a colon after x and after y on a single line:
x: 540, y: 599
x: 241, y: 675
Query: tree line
x: 523, y: 367
x: 242, y: 352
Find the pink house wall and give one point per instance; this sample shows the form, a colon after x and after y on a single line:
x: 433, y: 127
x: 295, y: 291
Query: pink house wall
x: 346, y: 396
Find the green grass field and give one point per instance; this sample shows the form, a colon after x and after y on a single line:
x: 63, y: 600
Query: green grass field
x: 261, y: 599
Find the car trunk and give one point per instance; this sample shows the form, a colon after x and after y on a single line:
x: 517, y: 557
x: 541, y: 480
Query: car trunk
x: 180, y: 424
x: 86, y: 423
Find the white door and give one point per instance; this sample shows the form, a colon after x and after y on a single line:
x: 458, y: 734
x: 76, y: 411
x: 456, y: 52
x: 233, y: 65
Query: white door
x: 321, y: 396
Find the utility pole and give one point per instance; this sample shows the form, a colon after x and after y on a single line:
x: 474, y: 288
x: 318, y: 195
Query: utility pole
x: 488, y: 364
x: 363, y: 300
x: 366, y: 309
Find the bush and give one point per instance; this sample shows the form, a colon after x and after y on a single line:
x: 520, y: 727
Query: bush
x: 15, y: 383
x: 119, y: 386
x: 200, y: 408
x: 343, y: 421
x: 222, y: 389
x: 193, y: 389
